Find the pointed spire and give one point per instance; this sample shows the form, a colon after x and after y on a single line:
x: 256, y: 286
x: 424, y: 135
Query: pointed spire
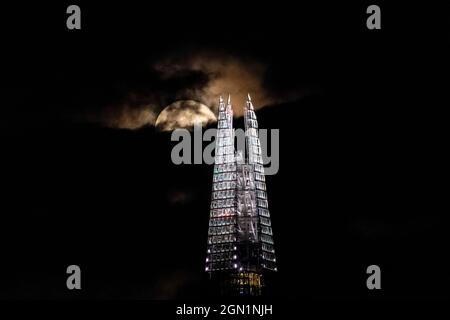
x: 221, y: 104
x: 229, y: 98
x: 249, y: 103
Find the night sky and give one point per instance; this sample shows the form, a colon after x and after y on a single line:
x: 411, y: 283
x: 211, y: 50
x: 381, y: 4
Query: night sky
x: 88, y: 180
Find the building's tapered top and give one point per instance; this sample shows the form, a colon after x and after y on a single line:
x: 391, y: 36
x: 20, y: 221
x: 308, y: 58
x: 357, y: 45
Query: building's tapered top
x: 221, y: 104
x: 229, y: 108
x: 249, y: 103
x: 240, y: 237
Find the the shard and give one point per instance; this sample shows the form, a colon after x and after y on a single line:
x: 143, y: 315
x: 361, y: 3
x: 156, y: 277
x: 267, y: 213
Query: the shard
x: 240, y: 249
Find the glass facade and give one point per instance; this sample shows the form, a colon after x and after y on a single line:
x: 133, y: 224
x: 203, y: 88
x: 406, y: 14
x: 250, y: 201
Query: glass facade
x: 240, y: 241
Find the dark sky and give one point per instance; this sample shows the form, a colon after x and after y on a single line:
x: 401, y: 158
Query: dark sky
x: 360, y: 146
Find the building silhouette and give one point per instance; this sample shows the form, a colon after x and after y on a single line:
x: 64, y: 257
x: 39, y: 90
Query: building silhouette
x: 240, y: 249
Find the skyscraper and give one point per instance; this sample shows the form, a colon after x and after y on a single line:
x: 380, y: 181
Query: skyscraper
x: 240, y: 249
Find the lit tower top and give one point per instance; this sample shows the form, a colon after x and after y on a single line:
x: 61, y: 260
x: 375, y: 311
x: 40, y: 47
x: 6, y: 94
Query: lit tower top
x: 255, y: 161
x: 240, y: 249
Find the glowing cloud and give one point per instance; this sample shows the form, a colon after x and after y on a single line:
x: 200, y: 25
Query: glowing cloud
x: 184, y: 114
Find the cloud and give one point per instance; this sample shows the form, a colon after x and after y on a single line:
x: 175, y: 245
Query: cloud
x: 179, y: 197
x: 200, y: 76
x: 127, y: 117
x: 226, y: 74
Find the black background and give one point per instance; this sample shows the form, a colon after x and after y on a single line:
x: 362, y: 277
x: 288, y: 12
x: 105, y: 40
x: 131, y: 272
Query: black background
x: 359, y: 182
